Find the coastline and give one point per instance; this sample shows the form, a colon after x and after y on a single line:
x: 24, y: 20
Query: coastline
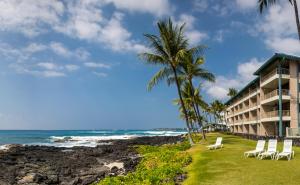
x: 76, y: 165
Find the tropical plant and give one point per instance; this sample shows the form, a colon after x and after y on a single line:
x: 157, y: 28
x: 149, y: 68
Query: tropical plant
x: 191, y: 100
x: 192, y: 69
x: 166, y: 50
x: 265, y: 3
x: 232, y: 92
x: 218, y: 109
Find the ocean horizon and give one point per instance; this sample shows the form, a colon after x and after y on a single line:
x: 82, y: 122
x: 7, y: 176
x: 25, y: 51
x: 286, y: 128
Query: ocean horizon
x: 71, y: 138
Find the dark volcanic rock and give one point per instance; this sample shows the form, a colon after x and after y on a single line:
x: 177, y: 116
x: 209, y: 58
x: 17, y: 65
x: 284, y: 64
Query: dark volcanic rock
x: 79, y: 165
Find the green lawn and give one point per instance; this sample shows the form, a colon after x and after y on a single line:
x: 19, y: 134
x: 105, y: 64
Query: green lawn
x: 227, y: 166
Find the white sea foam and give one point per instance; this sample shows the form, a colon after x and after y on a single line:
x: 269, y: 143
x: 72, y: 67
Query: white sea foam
x: 93, y: 141
x: 165, y: 133
x: 90, y: 138
x: 4, y: 147
x: 87, y: 141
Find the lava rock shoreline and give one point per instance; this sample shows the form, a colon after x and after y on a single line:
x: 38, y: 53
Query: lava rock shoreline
x: 35, y: 165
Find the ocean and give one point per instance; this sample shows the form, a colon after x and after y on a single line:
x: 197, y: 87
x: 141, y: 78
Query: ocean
x: 71, y: 138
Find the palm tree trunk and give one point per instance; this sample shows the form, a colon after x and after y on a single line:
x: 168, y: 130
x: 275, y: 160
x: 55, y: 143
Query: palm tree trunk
x: 202, y: 125
x: 197, y: 110
x: 297, y: 17
x: 183, y: 107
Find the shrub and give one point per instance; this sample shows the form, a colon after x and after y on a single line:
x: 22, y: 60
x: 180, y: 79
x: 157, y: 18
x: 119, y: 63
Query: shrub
x: 160, y: 165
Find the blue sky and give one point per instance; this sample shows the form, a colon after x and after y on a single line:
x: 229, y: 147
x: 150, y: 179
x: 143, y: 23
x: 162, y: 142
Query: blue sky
x: 74, y: 65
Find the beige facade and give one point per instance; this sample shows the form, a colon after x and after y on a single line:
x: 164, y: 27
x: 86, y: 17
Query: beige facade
x: 269, y: 105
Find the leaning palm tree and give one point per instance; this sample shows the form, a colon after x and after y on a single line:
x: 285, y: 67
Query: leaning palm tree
x: 265, y: 3
x: 191, y: 69
x: 192, y: 100
x: 232, y: 92
x: 166, y: 49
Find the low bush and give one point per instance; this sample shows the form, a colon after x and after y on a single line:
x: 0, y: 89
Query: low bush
x: 160, y: 165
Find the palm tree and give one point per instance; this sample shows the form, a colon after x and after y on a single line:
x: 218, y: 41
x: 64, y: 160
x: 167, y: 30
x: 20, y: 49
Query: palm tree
x: 166, y: 50
x: 191, y: 68
x: 192, y: 99
x: 217, y: 108
x: 232, y: 92
x: 265, y: 3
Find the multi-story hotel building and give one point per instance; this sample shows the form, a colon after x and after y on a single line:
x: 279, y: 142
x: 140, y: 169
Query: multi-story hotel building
x: 268, y: 105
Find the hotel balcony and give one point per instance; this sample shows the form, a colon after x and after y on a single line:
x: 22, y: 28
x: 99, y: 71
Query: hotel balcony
x: 253, y: 107
x: 274, y: 116
x: 270, y: 80
x: 272, y: 97
x: 245, y: 96
x: 251, y: 120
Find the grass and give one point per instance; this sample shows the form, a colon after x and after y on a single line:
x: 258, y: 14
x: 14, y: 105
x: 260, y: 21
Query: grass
x: 160, y: 165
x: 228, y: 166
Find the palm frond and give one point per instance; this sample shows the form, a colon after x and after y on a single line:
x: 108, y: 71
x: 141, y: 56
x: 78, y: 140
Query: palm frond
x: 156, y: 45
x: 162, y: 74
x: 205, y: 75
x: 198, y: 50
x: 265, y: 3
x: 152, y: 58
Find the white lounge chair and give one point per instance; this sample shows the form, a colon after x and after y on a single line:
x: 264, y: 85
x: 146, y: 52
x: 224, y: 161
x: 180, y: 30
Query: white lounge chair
x: 259, y: 149
x: 271, y: 151
x: 218, y: 144
x: 287, y: 150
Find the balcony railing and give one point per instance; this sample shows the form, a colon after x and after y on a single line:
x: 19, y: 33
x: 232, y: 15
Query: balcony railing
x: 244, y: 95
x: 285, y: 92
x: 274, y: 72
x: 253, y: 105
x: 252, y: 91
x: 275, y: 113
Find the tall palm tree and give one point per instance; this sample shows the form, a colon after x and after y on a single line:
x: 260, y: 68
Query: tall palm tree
x: 166, y: 50
x: 265, y: 3
x: 191, y: 69
x: 232, y: 92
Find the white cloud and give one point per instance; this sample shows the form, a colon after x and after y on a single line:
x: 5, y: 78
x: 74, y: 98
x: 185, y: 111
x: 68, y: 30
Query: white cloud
x: 81, y: 53
x: 155, y: 7
x: 23, y: 69
x: 23, y: 60
x: 200, y: 5
x: 284, y: 45
x: 78, y: 19
x: 96, y: 65
x: 247, y: 4
x: 28, y: 16
x: 59, y: 49
x: 35, y: 47
x: 99, y: 74
x: 117, y: 37
x: 278, y: 29
x: 85, y: 21
x: 219, y: 36
x: 195, y: 36
x: 246, y: 70
x: 47, y: 65
x: 71, y: 67
x: 52, y: 74
x: 221, y: 9
x: 244, y: 75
